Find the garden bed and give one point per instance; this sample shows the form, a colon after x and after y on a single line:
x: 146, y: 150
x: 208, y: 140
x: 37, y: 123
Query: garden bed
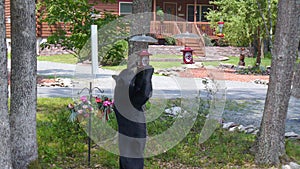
x: 225, y: 74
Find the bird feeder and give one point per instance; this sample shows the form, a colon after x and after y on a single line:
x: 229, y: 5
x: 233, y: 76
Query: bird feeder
x: 221, y: 25
x: 144, y: 59
x: 187, y: 54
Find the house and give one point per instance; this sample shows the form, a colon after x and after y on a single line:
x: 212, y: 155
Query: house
x: 181, y: 17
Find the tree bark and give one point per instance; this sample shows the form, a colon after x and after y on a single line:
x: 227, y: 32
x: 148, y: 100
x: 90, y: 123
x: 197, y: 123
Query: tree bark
x: 23, y: 83
x: 5, y: 153
x: 296, y: 82
x: 258, y: 57
x: 139, y: 6
x: 271, y: 140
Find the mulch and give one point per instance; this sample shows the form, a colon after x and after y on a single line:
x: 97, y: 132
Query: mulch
x: 222, y: 74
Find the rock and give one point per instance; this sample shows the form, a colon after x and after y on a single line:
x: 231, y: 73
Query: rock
x: 228, y: 125
x: 241, y: 128
x: 241, y: 67
x: 255, y: 132
x: 174, y: 111
x: 222, y: 65
x: 248, y: 127
x: 286, y: 167
x: 291, y: 134
x: 191, y: 66
x: 249, y: 131
x: 232, y: 129
x: 294, y: 165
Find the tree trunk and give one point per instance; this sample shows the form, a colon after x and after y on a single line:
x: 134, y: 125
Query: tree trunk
x: 296, y: 82
x: 139, y: 6
x: 258, y: 57
x: 23, y: 83
x: 5, y: 153
x: 270, y: 141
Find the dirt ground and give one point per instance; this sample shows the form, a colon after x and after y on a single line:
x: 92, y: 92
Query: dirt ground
x: 224, y: 74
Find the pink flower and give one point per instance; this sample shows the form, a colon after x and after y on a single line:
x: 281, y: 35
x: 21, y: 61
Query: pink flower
x: 83, y: 98
x: 86, y: 115
x: 80, y: 111
x: 106, y: 103
x: 84, y: 106
x: 91, y: 108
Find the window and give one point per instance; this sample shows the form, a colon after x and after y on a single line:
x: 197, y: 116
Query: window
x: 8, y: 19
x: 204, y: 10
x: 191, y: 13
x: 125, y: 8
x: 201, y: 12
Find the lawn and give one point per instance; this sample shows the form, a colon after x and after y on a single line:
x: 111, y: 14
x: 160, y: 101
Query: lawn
x: 70, y: 59
x: 63, y: 144
x: 64, y: 58
x: 235, y: 60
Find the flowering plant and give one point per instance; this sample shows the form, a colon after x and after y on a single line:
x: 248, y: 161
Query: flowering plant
x: 105, y: 105
x: 83, y: 108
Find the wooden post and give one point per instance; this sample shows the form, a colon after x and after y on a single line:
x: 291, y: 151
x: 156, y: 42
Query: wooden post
x: 195, y: 11
x: 154, y: 10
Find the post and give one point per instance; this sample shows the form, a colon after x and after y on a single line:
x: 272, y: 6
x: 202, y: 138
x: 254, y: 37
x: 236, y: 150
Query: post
x: 94, y: 49
x: 195, y: 11
x: 89, y: 127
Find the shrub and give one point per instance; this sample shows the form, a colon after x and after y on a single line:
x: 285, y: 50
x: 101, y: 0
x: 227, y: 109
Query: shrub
x: 116, y: 54
x: 170, y: 41
x: 207, y: 40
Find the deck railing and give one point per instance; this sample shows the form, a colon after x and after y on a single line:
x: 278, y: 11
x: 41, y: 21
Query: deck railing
x: 169, y: 28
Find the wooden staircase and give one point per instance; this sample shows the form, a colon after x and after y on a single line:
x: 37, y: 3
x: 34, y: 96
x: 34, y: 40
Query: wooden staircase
x: 171, y: 28
x: 197, y: 46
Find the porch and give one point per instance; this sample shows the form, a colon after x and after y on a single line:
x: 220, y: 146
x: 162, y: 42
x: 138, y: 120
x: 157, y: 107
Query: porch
x: 162, y: 30
x: 182, y: 17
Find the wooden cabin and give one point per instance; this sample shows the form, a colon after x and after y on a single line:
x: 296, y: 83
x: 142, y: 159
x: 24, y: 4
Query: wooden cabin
x: 180, y: 17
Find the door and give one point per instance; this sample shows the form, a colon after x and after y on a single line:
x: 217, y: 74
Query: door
x: 171, y: 9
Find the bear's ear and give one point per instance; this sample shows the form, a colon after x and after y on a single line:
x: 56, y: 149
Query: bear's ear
x: 115, y: 77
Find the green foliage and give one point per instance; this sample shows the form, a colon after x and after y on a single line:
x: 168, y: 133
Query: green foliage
x: 170, y: 41
x: 73, y: 22
x: 116, y: 54
x: 207, y: 40
x: 242, y: 19
x: 223, y: 42
x: 160, y: 13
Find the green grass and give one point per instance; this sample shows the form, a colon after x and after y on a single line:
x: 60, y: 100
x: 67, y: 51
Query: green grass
x: 65, y: 58
x: 235, y: 60
x: 63, y: 144
x: 165, y: 56
x: 70, y: 59
x: 155, y: 64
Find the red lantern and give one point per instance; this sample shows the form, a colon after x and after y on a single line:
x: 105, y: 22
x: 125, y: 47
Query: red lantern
x: 187, y: 55
x: 144, y: 59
